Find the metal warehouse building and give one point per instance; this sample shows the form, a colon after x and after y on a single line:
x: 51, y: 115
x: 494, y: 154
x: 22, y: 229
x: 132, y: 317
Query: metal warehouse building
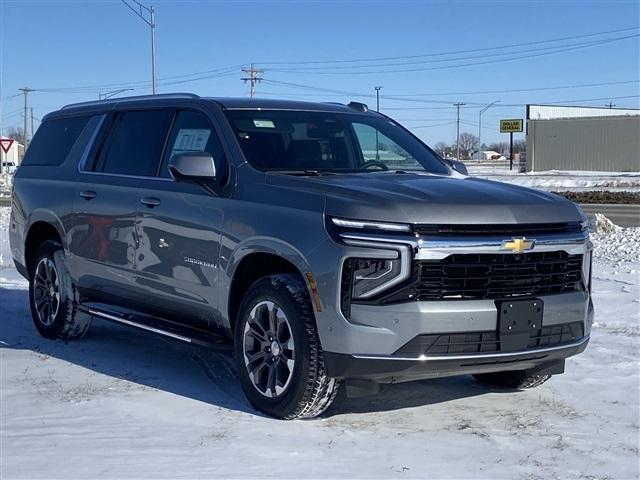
x: 583, y: 138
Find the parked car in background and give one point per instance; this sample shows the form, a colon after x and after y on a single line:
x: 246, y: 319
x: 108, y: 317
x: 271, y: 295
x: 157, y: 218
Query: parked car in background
x: 8, y: 167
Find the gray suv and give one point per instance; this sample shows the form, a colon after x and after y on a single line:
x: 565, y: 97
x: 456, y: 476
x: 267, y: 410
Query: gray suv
x: 323, y: 244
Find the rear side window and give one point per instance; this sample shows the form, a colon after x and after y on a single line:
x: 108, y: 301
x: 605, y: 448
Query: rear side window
x: 53, y: 141
x: 135, y: 143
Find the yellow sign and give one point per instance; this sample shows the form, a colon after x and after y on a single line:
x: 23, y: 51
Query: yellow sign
x: 518, y: 245
x: 512, y: 125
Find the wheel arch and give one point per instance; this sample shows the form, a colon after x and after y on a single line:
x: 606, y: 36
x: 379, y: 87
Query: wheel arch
x: 42, y: 227
x: 255, y: 263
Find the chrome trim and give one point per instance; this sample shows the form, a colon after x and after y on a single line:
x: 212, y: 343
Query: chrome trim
x: 139, y: 325
x: 423, y: 358
x: 439, y: 247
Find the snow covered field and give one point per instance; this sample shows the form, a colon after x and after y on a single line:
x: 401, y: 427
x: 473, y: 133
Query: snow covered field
x: 124, y: 404
x: 557, y: 180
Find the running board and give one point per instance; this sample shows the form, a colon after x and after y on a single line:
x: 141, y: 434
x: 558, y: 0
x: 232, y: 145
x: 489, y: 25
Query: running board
x: 158, y: 326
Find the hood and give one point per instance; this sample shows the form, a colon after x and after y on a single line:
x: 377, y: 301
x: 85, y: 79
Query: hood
x: 417, y: 198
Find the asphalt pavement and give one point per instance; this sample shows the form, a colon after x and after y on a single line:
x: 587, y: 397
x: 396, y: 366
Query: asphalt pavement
x: 625, y: 215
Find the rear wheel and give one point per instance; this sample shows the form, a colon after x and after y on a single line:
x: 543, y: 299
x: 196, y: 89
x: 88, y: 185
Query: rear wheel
x: 53, y: 297
x: 277, y: 350
x: 513, y: 380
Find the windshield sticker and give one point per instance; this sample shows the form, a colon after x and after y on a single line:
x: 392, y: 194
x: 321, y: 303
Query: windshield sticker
x: 264, y: 124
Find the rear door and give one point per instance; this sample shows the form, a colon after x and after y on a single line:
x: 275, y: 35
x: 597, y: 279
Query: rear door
x: 179, y: 227
x: 108, y: 189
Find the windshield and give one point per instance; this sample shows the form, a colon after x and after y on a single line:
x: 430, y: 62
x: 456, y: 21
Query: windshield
x: 326, y: 142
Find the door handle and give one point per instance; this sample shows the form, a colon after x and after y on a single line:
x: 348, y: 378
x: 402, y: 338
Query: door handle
x: 150, y: 201
x: 88, y: 194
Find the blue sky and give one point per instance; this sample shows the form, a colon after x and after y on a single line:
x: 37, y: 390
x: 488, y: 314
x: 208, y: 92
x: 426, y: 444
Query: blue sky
x: 51, y: 45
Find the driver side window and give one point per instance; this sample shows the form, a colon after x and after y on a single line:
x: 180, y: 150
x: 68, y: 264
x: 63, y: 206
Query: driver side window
x: 376, y: 147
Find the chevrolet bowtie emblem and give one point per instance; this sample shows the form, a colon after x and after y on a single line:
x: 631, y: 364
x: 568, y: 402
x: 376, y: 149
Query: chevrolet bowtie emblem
x: 518, y: 245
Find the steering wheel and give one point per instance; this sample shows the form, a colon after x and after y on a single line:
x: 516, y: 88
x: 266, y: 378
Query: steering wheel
x: 373, y: 163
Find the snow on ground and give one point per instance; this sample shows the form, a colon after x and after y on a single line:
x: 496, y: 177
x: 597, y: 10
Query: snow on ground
x: 122, y: 404
x: 559, y: 179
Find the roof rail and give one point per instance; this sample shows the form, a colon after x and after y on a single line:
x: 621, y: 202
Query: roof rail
x: 137, y: 98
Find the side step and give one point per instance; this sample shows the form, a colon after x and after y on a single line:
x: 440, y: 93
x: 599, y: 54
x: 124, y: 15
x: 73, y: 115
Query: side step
x: 159, y: 326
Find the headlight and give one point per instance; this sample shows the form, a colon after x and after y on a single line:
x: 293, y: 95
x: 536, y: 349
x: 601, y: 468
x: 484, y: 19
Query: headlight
x: 371, y: 276
x: 367, y: 225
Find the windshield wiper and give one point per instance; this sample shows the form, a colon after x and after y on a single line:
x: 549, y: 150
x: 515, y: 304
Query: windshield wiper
x: 304, y: 173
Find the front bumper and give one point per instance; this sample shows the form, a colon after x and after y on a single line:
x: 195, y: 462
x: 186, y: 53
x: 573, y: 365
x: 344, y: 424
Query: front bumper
x: 391, y: 369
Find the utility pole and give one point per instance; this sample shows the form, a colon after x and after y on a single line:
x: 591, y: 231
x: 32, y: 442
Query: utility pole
x: 458, y: 105
x: 377, y: 89
x: 25, y: 91
x: 610, y: 105
x: 142, y: 13
x: 480, y: 125
x: 32, y: 130
x: 254, y: 76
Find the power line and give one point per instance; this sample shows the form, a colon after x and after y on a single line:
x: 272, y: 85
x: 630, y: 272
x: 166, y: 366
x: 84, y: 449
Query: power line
x: 518, y: 90
x: 444, y: 60
x: 470, y: 64
x: 379, y: 59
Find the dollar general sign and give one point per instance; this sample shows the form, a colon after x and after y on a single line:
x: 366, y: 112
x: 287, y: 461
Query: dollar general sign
x: 511, y: 125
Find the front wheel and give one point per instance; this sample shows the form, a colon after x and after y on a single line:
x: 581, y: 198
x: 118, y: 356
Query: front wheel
x: 277, y: 350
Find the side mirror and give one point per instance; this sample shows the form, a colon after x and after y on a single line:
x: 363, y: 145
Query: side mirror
x: 459, y: 167
x: 196, y: 167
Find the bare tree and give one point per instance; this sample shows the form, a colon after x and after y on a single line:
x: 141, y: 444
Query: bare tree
x: 441, y: 148
x: 17, y: 133
x: 468, y: 144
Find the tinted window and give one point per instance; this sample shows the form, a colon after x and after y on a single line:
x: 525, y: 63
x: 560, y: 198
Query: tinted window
x: 53, y: 140
x: 134, y: 144
x: 192, y: 132
x: 297, y: 141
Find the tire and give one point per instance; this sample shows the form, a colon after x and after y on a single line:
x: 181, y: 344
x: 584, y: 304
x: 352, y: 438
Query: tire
x: 288, y: 378
x: 53, y: 297
x: 517, y: 380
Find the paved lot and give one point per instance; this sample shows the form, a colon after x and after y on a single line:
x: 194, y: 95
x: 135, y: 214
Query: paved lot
x: 623, y: 215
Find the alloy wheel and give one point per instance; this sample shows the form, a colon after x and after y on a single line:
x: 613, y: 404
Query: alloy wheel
x: 268, y: 349
x: 46, y: 291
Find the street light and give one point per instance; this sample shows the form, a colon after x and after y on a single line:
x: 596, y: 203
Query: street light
x: 480, y: 124
x: 152, y: 24
x: 104, y: 96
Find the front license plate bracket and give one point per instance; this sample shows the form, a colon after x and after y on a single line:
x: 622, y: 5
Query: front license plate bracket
x: 518, y: 320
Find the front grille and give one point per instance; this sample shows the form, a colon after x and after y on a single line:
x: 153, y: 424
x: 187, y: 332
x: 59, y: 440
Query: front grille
x: 490, y: 276
x: 487, y: 342
x: 520, y: 229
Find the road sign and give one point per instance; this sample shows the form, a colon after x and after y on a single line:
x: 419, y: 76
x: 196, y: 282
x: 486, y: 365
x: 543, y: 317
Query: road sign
x: 5, y: 144
x: 511, y: 125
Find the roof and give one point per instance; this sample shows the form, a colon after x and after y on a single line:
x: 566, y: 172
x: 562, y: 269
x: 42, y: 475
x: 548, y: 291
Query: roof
x: 227, y: 103
x: 550, y: 112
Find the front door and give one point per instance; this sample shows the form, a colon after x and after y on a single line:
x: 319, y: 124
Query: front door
x: 179, y: 230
